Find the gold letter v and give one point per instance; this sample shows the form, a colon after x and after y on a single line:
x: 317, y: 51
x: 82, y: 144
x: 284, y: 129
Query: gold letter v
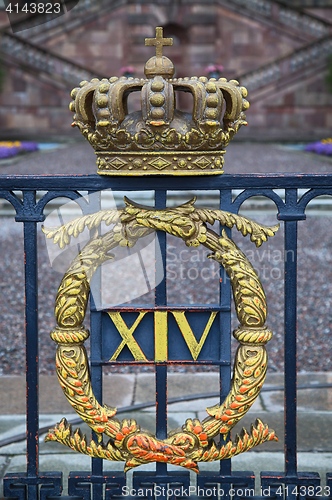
x: 189, y: 337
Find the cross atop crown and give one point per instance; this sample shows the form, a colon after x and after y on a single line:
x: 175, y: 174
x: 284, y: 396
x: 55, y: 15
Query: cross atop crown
x: 159, y: 41
x: 159, y: 65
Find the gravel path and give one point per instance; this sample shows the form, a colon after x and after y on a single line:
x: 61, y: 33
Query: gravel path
x: 314, y: 264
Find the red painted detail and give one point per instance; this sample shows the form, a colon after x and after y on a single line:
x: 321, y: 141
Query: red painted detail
x: 101, y: 418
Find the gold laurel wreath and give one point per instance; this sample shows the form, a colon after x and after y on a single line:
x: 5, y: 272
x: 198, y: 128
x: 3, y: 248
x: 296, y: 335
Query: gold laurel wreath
x: 195, y: 441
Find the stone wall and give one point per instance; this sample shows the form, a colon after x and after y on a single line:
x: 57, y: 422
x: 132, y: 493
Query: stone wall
x: 302, y: 112
x: 32, y: 108
x: 203, y: 34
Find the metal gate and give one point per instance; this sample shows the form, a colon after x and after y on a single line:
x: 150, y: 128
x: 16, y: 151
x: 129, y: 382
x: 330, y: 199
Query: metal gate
x: 291, y: 209
x: 161, y: 149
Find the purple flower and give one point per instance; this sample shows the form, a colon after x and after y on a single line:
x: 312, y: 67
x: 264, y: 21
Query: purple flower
x: 29, y: 146
x: 10, y: 149
x: 320, y: 148
x: 8, y: 152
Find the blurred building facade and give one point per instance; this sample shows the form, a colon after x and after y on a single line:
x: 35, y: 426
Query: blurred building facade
x: 278, y: 51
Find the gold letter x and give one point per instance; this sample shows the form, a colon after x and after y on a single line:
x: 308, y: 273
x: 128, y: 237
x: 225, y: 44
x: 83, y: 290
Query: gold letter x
x: 127, y: 335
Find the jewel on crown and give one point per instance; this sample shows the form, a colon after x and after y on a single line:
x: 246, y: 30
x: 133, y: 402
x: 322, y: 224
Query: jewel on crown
x: 159, y: 139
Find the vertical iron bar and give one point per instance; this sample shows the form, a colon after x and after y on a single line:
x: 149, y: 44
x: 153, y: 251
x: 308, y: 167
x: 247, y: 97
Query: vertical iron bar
x: 97, y: 385
x: 31, y: 335
x: 160, y: 293
x: 225, y: 326
x: 290, y: 337
x: 95, y: 345
x: 161, y: 300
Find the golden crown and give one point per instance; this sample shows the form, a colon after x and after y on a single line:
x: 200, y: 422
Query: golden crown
x: 159, y: 139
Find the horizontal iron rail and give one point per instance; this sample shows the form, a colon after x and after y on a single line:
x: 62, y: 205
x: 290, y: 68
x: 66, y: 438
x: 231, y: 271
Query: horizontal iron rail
x: 169, y: 307
x: 168, y: 362
x: 156, y: 183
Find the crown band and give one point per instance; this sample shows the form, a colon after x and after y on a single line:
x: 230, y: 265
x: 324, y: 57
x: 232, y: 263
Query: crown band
x: 164, y: 162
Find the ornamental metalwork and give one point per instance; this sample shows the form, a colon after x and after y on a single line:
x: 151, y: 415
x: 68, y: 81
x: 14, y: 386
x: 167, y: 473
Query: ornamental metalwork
x: 160, y: 140
x: 127, y: 442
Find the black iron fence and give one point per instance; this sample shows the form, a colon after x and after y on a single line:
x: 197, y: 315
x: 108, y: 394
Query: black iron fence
x: 297, y: 191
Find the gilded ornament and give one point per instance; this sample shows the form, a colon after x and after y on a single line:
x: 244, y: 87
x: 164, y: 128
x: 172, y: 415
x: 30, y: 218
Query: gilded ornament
x: 194, y: 442
x: 100, y: 112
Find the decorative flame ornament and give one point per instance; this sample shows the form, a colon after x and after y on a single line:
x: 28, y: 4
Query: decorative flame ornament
x: 160, y: 140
